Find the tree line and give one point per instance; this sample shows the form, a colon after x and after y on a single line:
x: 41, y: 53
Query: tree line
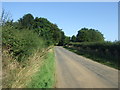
x: 51, y: 33
x: 28, y: 34
x: 22, y: 36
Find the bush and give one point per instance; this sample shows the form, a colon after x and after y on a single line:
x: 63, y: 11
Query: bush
x: 21, y: 43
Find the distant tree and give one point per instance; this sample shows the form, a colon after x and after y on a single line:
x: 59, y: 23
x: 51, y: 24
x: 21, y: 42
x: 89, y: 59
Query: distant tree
x: 62, y: 39
x: 73, y: 38
x: 56, y: 33
x: 89, y: 35
x: 67, y: 40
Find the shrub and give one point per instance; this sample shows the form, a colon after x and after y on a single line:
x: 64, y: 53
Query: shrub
x: 21, y: 43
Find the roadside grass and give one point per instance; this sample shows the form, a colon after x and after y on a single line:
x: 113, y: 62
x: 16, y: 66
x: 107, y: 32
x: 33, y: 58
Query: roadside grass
x: 17, y: 76
x: 45, y: 77
x: 95, y: 58
x: 23, y: 53
x: 14, y: 74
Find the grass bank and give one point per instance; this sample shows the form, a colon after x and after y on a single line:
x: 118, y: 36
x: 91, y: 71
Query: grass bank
x: 45, y: 77
x: 39, y: 71
x: 24, y: 53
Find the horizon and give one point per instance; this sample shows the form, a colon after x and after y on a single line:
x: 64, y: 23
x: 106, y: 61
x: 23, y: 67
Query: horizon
x: 102, y: 17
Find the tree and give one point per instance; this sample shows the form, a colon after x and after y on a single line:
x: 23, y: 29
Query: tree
x: 62, y: 39
x: 44, y: 28
x: 26, y: 21
x: 89, y: 35
x: 47, y: 30
x: 67, y: 40
x: 73, y: 38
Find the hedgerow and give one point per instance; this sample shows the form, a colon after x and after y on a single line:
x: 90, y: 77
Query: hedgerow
x: 21, y: 43
x: 105, y: 52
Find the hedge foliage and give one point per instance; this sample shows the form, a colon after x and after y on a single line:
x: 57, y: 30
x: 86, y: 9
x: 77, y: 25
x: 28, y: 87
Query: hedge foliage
x: 106, y: 52
x: 21, y: 43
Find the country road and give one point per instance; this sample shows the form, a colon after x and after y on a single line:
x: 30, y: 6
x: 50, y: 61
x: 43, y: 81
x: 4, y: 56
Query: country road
x: 75, y: 71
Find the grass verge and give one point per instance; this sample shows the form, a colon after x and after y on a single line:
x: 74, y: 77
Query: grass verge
x: 97, y: 59
x: 45, y: 77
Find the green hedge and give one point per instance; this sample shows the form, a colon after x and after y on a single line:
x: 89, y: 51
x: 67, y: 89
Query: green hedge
x: 105, y: 52
x: 21, y: 43
x: 109, y: 46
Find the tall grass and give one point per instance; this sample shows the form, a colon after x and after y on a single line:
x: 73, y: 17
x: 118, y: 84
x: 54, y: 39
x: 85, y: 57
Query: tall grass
x: 45, y: 77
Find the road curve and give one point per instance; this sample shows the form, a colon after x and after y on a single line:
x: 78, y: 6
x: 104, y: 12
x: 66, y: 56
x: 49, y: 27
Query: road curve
x: 75, y: 71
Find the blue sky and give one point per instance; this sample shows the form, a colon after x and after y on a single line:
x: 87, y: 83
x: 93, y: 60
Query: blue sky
x: 72, y: 16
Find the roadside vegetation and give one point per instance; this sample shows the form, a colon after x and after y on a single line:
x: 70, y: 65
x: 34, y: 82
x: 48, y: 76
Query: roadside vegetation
x: 45, y: 77
x: 21, y: 43
x: 28, y: 55
x: 25, y: 47
x: 90, y: 43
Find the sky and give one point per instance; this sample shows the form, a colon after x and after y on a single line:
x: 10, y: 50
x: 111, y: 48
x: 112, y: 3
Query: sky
x: 72, y: 16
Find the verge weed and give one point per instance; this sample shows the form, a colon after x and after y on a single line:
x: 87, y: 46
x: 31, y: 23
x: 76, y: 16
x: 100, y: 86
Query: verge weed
x: 45, y: 77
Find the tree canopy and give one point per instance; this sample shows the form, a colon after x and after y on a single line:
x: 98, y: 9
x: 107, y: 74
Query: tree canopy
x: 43, y: 27
x: 89, y: 35
x: 26, y: 21
x: 73, y: 38
x: 52, y: 34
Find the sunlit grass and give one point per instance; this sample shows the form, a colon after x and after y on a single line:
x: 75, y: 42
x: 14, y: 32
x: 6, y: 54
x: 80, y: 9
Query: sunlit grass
x: 45, y: 77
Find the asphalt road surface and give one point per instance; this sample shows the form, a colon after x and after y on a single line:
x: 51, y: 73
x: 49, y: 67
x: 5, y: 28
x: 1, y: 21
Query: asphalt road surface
x: 75, y: 71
